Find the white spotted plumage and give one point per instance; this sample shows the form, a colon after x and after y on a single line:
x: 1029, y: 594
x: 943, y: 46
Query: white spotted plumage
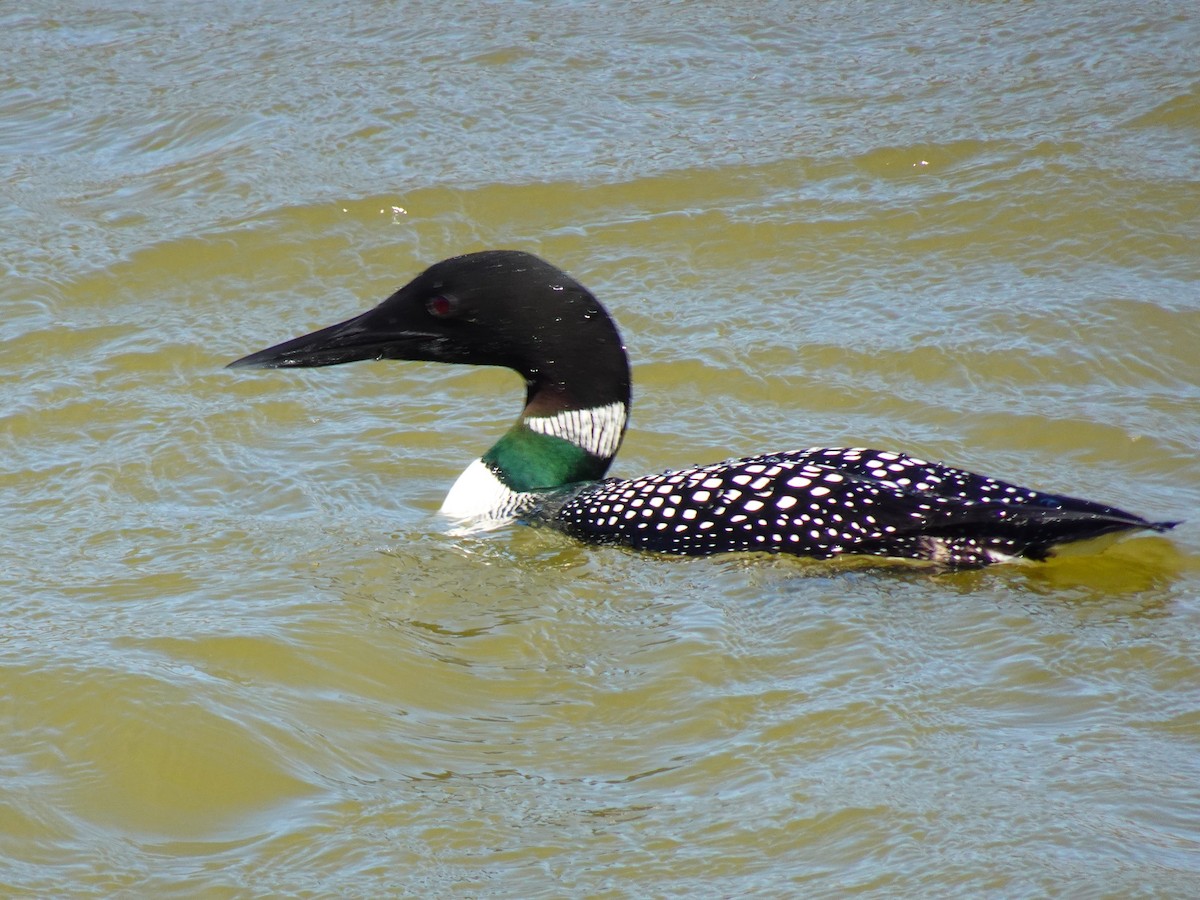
x: 820, y: 502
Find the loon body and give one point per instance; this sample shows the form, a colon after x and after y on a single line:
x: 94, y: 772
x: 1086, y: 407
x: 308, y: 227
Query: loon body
x: 509, y: 308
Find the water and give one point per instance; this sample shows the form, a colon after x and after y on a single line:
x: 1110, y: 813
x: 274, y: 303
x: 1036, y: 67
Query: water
x: 242, y: 657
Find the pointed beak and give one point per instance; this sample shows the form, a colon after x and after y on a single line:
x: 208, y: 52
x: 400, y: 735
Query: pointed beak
x: 349, y: 341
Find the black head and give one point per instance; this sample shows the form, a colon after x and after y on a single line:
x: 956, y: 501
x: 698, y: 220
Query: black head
x: 494, y: 308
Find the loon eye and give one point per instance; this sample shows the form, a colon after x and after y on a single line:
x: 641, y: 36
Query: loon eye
x: 442, y: 306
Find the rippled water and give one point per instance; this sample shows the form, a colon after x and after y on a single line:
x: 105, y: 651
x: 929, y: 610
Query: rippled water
x: 241, y: 656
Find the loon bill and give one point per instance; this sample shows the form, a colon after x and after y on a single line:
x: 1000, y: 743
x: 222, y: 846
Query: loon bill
x: 509, y: 308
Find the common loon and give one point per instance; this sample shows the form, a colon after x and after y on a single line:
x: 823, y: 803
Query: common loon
x: 510, y: 308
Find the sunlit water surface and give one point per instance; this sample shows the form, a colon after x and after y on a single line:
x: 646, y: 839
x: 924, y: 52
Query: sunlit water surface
x: 241, y: 656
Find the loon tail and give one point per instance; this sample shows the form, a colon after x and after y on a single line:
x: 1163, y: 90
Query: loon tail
x: 1037, y: 531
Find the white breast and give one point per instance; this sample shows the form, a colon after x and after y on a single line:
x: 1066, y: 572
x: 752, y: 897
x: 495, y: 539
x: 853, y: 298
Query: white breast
x: 480, y: 501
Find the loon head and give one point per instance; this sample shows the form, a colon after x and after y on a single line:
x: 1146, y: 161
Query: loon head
x: 493, y: 308
x: 499, y: 308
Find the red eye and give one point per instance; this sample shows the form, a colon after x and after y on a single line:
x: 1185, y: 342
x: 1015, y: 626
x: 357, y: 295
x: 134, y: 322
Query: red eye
x: 441, y: 306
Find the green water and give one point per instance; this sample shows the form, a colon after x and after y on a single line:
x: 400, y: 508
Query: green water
x: 241, y: 655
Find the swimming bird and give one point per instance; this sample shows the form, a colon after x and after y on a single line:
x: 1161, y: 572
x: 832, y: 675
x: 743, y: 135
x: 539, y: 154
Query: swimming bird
x: 510, y: 308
